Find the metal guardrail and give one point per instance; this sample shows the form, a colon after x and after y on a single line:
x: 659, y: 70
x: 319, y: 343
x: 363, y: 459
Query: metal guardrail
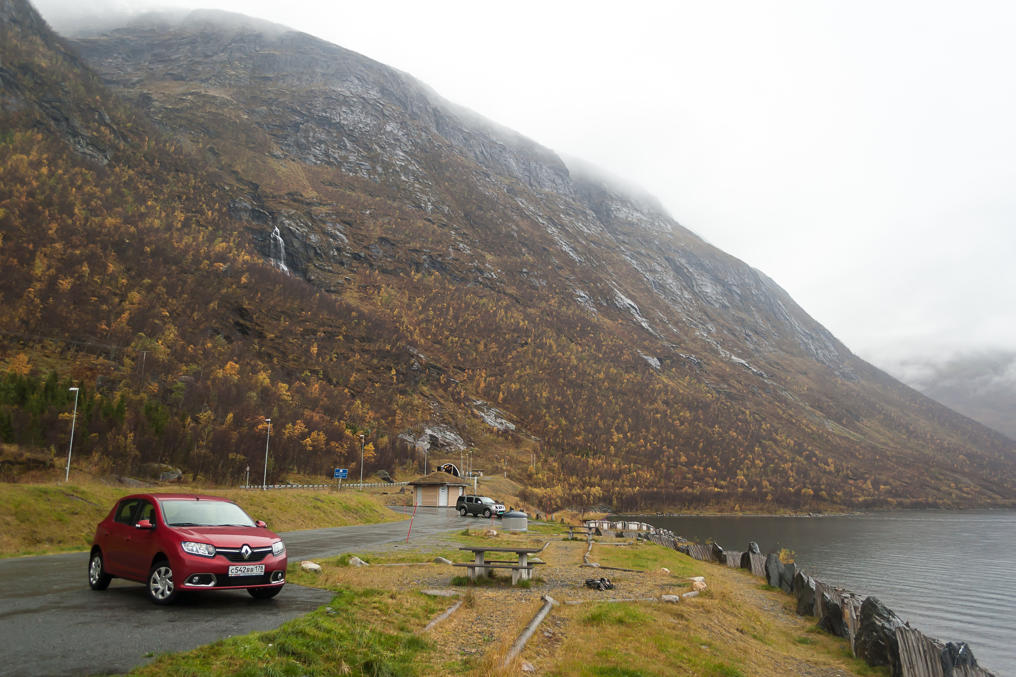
x: 345, y: 485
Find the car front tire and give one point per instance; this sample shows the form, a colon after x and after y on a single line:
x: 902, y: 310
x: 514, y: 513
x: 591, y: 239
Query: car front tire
x: 98, y: 579
x: 486, y: 512
x: 160, y: 585
x: 264, y: 593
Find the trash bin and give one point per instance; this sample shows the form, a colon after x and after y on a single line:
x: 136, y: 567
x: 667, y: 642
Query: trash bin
x: 515, y: 521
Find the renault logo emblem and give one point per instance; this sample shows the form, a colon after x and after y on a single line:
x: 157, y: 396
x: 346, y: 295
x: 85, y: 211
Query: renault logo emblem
x: 245, y: 551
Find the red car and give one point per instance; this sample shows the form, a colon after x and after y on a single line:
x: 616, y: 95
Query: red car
x: 180, y: 542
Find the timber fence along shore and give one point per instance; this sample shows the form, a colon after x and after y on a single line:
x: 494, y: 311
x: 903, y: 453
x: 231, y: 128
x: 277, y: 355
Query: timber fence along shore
x: 873, y: 631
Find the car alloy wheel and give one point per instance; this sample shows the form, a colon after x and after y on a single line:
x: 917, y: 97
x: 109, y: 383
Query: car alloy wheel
x: 462, y: 512
x: 98, y: 579
x: 486, y: 512
x: 161, y: 588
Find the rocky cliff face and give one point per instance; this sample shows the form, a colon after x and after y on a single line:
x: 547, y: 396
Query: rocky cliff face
x: 318, y: 105
x: 356, y: 178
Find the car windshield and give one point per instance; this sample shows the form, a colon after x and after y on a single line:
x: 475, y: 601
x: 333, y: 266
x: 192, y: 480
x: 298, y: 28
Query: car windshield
x: 198, y: 513
x: 484, y: 499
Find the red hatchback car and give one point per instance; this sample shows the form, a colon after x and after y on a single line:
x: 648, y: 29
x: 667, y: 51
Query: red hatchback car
x: 181, y: 542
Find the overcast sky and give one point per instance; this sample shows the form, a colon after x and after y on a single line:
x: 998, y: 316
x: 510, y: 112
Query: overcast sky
x: 862, y: 154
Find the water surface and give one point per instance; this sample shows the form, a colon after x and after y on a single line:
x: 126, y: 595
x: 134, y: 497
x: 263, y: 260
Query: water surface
x: 951, y: 574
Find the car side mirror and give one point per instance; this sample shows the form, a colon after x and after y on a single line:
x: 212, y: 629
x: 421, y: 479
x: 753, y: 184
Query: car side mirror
x: 144, y: 524
x: 261, y: 524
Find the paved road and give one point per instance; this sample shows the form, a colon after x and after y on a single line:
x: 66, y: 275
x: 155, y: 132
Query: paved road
x: 51, y: 623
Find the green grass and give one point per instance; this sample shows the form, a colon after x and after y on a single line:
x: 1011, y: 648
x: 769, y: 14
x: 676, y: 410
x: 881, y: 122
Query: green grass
x: 547, y: 528
x: 72, y: 510
x: 615, y: 614
x: 399, y: 557
x: 361, y: 632
x: 647, y: 557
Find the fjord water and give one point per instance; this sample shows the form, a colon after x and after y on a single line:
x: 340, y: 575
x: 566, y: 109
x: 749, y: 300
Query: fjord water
x: 951, y: 574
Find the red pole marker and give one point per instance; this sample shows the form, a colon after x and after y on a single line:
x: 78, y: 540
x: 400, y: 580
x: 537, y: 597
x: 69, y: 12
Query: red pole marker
x: 411, y: 523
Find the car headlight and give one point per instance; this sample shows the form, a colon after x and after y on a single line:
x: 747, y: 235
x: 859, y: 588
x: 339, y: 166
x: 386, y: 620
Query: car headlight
x: 278, y: 547
x: 203, y: 549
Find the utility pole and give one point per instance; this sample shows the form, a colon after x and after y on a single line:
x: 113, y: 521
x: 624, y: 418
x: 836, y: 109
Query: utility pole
x: 361, y: 461
x: 264, y: 480
x: 70, y: 447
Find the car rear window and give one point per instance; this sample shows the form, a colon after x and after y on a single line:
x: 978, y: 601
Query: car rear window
x: 125, y: 512
x: 203, y: 513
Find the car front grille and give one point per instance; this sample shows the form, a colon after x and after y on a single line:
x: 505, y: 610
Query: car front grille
x: 234, y: 554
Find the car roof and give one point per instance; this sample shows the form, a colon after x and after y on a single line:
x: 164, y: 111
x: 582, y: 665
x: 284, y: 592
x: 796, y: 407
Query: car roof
x: 180, y: 497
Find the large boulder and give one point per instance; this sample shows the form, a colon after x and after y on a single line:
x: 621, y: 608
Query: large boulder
x: 753, y: 548
x: 804, y: 593
x: 957, y: 655
x: 773, y: 568
x: 832, y: 616
x: 717, y: 553
x: 876, y: 641
x: 787, y: 574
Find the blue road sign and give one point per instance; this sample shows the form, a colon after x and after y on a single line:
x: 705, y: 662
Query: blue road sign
x: 341, y: 473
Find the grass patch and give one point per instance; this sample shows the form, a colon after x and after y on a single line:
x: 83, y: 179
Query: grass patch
x: 724, y: 632
x: 647, y: 557
x: 547, y: 528
x: 362, y: 632
x: 615, y: 614
x: 71, y: 511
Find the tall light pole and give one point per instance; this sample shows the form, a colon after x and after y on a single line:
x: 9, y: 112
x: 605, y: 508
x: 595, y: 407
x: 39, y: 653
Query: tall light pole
x: 264, y: 480
x: 70, y: 447
x: 361, y: 461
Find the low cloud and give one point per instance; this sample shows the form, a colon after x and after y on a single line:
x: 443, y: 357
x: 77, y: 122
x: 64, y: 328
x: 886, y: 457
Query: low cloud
x: 979, y: 384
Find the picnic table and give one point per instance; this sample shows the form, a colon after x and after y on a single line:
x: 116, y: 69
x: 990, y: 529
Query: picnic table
x: 481, y: 566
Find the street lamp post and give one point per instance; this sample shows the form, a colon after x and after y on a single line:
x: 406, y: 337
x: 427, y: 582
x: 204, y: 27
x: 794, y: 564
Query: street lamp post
x: 70, y: 447
x: 264, y: 480
x: 361, y: 461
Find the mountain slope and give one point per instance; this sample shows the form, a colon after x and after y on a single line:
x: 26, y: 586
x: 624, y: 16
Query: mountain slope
x: 522, y: 308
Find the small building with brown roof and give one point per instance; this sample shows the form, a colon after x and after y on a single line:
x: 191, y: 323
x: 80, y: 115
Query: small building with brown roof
x: 438, y: 489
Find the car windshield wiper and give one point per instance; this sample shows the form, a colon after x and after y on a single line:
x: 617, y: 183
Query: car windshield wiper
x: 184, y: 524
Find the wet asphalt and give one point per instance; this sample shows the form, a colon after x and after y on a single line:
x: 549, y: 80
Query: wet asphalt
x: 52, y: 623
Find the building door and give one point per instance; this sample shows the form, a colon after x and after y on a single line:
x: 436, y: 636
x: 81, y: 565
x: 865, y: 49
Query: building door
x: 443, y: 497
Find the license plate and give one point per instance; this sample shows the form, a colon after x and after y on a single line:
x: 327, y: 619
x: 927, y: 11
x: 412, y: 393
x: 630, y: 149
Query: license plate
x: 247, y: 570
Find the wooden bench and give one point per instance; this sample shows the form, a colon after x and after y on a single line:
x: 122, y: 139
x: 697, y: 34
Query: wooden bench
x: 475, y: 570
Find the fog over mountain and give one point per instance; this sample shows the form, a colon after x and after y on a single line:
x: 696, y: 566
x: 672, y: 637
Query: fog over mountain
x: 979, y: 385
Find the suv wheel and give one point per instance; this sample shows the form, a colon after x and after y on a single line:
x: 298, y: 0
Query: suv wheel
x: 462, y: 511
x: 486, y: 512
x: 98, y: 579
x: 161, y: 588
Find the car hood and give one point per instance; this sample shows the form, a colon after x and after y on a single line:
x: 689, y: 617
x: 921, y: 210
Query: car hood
x: 228, y: 537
